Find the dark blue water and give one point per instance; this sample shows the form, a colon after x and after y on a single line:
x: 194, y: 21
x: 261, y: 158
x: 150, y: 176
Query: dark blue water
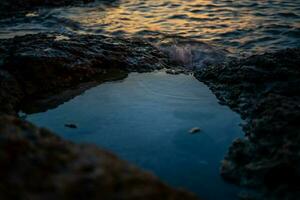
x: 146, y: 119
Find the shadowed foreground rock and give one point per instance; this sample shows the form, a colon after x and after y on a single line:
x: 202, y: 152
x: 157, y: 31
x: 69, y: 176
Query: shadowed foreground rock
x: 38, y: 66
x: 36, y: 164
x: 265, y: 90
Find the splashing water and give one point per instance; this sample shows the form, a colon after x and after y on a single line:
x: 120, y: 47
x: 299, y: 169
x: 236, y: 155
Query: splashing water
x: 191, y: 54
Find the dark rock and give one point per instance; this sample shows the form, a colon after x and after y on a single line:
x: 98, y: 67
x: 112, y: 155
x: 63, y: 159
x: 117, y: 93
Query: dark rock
x: 71, y: 126
x: 38, y: 66
x: 36, y: 164
x: 10, y: 93
x: 194, y: 130
x: 265, y: 90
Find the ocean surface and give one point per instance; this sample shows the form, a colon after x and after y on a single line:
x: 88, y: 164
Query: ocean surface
x: 240, y: 27
x: 146, y: 119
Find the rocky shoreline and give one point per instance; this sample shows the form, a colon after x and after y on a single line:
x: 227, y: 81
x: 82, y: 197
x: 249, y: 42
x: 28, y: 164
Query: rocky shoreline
x: 39, y: 66
x: 265, y: 90
x: 44, y: 70
x: 35, y: 163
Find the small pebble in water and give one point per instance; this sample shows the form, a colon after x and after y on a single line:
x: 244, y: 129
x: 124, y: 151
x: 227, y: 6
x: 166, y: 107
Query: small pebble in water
x: 70, y: 126
x: 173, y: 71
x: 32, y: 14
x: 194, y: 130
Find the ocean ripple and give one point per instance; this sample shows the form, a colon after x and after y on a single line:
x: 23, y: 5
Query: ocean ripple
x: 238, y: 26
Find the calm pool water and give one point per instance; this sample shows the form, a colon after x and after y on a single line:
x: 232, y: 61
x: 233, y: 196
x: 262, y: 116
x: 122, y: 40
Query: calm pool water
x: 146, y: 119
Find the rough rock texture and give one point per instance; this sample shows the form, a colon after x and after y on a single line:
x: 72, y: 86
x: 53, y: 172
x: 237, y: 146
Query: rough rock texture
x: 34, y: 66
x: 36, y: 164
x: 265, y: 90
x: 10, y: 92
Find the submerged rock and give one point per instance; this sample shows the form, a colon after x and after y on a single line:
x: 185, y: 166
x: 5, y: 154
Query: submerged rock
x: 265, y: 90
x: 71, y: 126
x: 194, y: 130
x: 36, y: 164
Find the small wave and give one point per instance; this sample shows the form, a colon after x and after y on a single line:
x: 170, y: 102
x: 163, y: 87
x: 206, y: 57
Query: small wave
x: 295, y: 33
x: 69, y: 23
x: 197, y: 11
x: 288, y: 15
x: 174, y: 5
x: 253, y: 42
x: 260, y: 14
x: 273, y: 31
x: 179, y: 17
x: 235, y: 33
x: 191, y: 54
x: 118, y: 33
x: 204, y: 19
x: 211, y: 6
x: 147, y: 33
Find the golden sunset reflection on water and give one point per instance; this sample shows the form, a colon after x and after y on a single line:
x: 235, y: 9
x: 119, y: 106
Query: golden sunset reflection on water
x: 190, y: 17
x: 238, y: 26
x: 224, y: 22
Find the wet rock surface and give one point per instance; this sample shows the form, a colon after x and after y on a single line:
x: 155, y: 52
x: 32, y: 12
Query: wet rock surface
x: 265, y: 90
x: 36, y: 164
x: 38, y: 66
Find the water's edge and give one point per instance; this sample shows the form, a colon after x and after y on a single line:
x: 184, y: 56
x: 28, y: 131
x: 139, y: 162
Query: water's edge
x: 162, y: 109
